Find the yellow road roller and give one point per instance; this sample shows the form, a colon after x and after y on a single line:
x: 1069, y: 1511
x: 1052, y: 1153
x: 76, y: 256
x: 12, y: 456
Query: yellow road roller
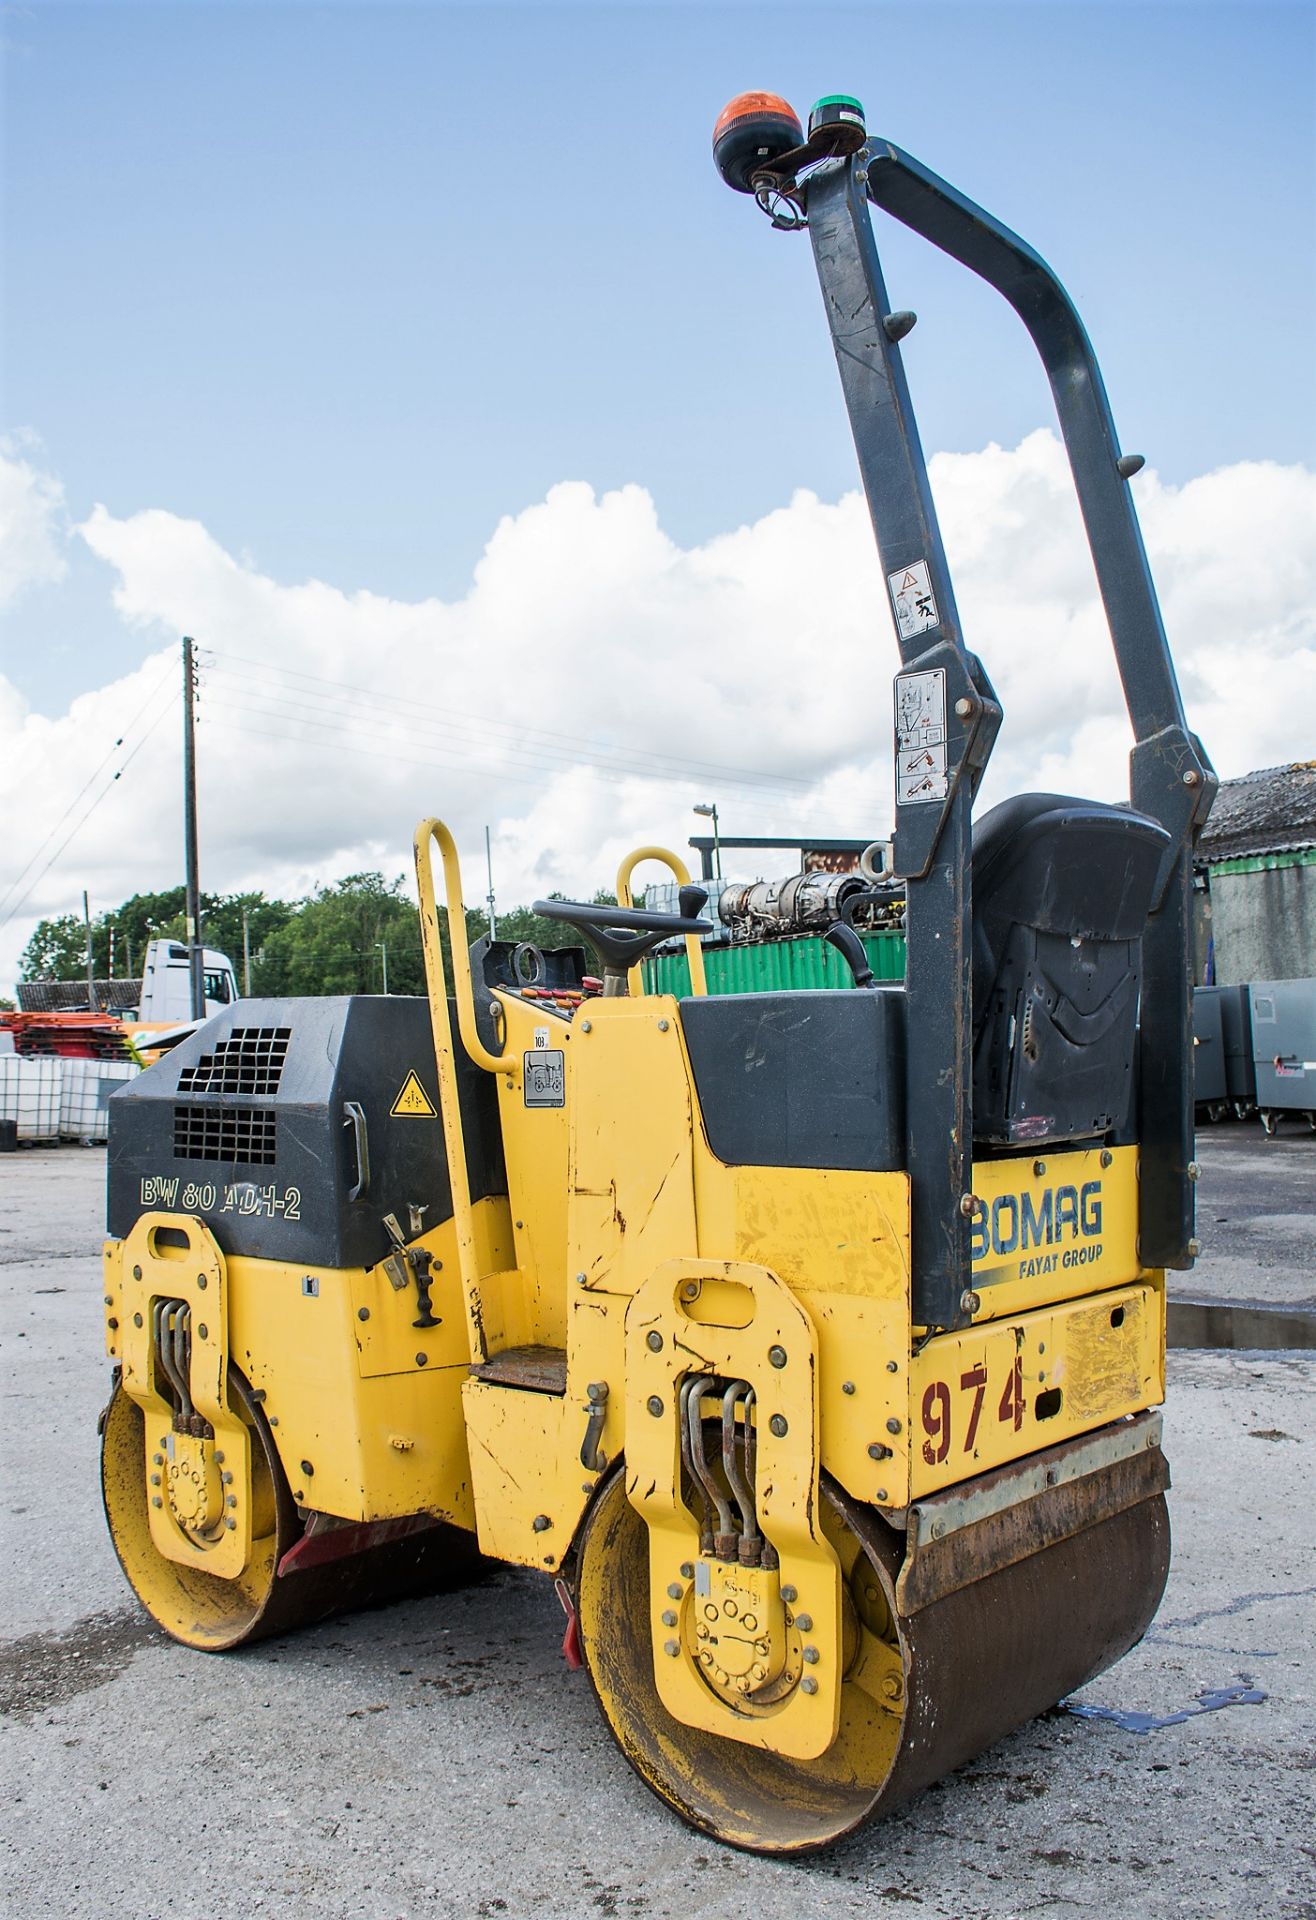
x: 810, y: 1342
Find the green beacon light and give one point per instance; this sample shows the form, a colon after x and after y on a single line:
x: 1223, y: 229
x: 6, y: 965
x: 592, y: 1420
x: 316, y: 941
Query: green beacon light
x: 837, y: 110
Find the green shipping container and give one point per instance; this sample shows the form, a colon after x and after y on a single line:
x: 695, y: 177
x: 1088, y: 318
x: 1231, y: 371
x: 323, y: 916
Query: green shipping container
x: 775, y: 966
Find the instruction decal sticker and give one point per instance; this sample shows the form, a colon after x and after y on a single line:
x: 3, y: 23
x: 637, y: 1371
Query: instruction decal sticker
x: 913, y: 599
x: 412, y: 1103
x: 920, y: 737
x: 544, y: 1076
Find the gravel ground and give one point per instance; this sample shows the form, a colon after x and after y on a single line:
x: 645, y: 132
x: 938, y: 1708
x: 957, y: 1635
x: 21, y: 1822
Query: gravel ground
x: 436, y: 1758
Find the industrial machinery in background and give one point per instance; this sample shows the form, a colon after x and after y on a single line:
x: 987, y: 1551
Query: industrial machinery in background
x: 1254, y: 1052
x: 769, y: 934
x: 809, y: 1340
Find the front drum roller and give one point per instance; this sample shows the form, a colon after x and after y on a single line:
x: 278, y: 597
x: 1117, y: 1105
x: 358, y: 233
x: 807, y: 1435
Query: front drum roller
x: 922, y: 1694
x: 201, y: 1610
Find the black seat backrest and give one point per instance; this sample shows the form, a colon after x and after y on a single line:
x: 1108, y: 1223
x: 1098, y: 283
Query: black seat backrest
x: 1061, y: 893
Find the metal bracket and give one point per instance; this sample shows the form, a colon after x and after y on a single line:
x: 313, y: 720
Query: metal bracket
x: 974, y: 1530
x: 728, y: 1319
x: 154, y: 1268
x: 970, y: 724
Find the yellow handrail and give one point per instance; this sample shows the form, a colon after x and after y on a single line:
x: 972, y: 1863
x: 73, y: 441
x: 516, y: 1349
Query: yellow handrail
x: 675, y: 865
x: 461, y: 960
x: 445, y: 1059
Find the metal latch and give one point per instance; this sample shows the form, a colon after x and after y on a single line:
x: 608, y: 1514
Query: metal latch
x: 597, y: 1410
x: 406, y: 1264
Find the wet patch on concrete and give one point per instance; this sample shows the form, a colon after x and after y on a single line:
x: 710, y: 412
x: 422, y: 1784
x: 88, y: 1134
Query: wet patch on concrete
x: 44, y: 1670
x: 1243, y: 1603
x: 1251, y: 1324
x: 1210, y: 1700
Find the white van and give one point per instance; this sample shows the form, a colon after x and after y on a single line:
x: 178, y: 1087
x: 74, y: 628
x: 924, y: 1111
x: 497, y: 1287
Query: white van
x: 167, y: 982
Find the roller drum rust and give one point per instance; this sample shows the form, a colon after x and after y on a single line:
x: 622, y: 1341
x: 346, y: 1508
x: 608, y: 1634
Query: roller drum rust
x: 1003, y: 1631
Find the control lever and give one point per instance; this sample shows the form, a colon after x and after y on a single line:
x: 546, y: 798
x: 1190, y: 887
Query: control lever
x: 851, y: 948
x: 591, y: 1458
x: 405, y: 1264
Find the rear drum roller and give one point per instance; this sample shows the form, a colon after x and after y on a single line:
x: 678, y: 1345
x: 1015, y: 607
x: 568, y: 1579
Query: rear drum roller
x: 921, y: 1694
x: 201, y: 1610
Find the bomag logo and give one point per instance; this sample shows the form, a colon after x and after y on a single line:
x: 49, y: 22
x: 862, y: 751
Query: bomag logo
x: 1059, y: 1227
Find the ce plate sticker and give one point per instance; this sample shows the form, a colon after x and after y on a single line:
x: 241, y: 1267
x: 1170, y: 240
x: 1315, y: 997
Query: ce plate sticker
x: 545, y: 1078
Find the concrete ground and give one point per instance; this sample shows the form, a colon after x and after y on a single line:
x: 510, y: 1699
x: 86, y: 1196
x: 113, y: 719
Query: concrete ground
x: 1256, y: 1215
x: 437, y: 1758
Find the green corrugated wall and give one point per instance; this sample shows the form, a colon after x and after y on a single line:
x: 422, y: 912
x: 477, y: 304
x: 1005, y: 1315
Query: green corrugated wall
x: 775, y: 966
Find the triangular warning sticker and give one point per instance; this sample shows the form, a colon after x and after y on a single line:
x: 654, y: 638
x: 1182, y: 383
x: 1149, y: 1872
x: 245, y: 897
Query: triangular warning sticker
x: 908, y: 581
x: 412, y: 1103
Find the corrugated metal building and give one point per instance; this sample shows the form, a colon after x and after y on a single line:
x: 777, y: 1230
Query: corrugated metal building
x: 776, y: 966
x: 1258, y: 854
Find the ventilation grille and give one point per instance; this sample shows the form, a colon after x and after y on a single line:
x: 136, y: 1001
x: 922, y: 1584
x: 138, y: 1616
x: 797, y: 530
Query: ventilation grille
x: 233, y: 1134
x: 249, y: 1060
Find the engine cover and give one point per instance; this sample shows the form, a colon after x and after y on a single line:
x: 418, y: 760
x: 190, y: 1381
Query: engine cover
x: 292, y: 1127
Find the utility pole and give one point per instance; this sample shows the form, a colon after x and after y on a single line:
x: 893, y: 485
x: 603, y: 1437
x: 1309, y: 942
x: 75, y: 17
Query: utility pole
x: 383, y: 948
x: 91, y: 970
x: 195, y: 950
x: 246, y: 955
x: 489, y: 897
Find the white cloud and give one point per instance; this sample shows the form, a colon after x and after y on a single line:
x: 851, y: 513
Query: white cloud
x: 31, y: 525
x: 592, y: 654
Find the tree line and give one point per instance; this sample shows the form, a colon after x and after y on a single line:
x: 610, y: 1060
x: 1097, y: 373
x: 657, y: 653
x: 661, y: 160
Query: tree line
x: 344, y: 938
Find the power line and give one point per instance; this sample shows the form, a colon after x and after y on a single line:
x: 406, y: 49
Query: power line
x: 443, y: 753
x: 91, y: 777
x: 79, y: 824
x: 521, y: 749
x: 340, y: 743
x: 555, y: 744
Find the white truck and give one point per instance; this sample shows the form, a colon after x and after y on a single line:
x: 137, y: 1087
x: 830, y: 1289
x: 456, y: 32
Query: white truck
x: 163, y: 995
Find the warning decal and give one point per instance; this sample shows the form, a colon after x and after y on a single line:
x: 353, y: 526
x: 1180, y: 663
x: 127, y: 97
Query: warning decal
x: 920, y: 737
x: 913, y: 599
x: 412, y: 1103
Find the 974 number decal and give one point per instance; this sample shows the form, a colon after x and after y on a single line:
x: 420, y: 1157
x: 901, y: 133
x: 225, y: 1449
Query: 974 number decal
x: 973, y: 1384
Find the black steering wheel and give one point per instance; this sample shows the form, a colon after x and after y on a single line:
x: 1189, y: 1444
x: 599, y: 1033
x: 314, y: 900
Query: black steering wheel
x: 623, y: 935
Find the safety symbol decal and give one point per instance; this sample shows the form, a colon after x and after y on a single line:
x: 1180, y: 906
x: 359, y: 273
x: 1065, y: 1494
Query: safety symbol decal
x: 412, y: 1103
x: 920, y: 737
x: 913, y: 599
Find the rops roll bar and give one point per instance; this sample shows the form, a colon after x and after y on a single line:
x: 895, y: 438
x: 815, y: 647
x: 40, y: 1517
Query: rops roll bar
x: 944, y: 702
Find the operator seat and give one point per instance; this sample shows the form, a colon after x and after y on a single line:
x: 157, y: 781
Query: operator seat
x: 1061, y: 893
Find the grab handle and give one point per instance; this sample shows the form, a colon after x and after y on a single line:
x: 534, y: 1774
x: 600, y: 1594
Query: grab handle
x: 354, y: 1117
x: 468, y: 1255
x: 461, y: 960
x: 676, y: 866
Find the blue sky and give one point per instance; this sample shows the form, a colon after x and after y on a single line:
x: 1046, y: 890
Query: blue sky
x: 346, y: 284
x: 416, y: 360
